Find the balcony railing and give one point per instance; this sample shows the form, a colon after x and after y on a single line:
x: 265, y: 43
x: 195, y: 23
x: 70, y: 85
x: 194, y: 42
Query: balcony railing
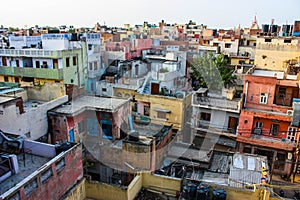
x: 217, y: 103
x: 30, y: 53
x: 55, y: 74
x: 259, y: 136
x: 202, y: 124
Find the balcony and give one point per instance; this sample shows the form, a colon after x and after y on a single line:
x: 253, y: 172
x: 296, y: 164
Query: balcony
x: 206, y: 126
x: 55, y: 74
x: 31, y: 53
x: 217, y: 103
x: 261, y: 137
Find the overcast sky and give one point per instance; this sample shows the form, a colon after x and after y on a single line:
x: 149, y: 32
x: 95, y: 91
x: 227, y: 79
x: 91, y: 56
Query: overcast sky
x: 214, y: 13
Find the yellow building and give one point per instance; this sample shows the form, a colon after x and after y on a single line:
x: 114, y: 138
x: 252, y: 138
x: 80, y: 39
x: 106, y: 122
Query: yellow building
x: 166, y: 186
x: 164, y: 110
x: 271, y: 52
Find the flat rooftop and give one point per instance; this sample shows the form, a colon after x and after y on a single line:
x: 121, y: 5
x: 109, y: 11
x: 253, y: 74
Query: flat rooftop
x: 26, y: 167
x: 83, y: 103
x: 4, y: 99
x: 32, y: 104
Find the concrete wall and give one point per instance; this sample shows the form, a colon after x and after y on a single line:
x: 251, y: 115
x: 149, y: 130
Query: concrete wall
x: 161, y: 183
x: 175, y: 105
x: 78, y: 193
x: 169, y: 185
x: 33, y: 122
x: 103, y: 191
x: 47, y: 92
x: 270, y: 55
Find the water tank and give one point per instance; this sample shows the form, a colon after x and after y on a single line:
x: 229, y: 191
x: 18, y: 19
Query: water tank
x: 265, y: 28
x: 274, y: 28
x: 219, y: 194
x: 189, y: 191
x: 202, y: 192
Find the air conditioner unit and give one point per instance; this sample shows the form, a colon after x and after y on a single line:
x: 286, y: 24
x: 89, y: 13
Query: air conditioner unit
x: 289, y: 112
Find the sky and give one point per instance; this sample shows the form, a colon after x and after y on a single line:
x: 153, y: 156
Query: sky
x: 213, y: 13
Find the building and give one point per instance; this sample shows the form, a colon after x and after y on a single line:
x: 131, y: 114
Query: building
x: 91, y: 117
x: 33, y: 170
x: 272, y: 51
x: 215, y: 118
x: 63, y: 58
x: 24, y: 111
x: 265, y: 121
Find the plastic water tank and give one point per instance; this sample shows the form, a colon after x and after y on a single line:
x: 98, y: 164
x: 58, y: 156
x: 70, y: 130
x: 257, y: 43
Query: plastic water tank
x: 202, y: 192
x: 219, y: 194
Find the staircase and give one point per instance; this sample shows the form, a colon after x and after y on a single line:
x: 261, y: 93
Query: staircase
x: 146, y: 88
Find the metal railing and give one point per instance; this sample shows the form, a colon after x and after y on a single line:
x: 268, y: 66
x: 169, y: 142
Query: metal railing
x: 218, y: 103
x: 30, y: 52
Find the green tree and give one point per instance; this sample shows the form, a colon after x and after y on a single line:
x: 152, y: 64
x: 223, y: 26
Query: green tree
x: 212, y: 72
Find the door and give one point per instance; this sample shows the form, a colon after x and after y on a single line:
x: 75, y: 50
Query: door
x: 154, y: 88
x: 232, y: 124
x: 71, y: 135
x: 4, y: 63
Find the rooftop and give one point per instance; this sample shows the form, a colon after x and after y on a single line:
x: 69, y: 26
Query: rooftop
x: 90, y: 102
x: 28, y: 163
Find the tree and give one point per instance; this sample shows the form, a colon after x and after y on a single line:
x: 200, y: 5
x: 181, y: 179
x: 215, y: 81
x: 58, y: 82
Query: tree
x: 212, y: 72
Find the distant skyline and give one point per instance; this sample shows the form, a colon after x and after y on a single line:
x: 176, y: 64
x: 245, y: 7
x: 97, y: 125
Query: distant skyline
x: 214, y: 14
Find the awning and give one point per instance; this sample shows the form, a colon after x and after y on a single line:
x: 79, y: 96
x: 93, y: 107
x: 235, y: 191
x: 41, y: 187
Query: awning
x: 161, y: 110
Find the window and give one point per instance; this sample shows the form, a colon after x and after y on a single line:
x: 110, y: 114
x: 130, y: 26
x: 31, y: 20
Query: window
x: 5, y: 78
x: 37, y: 64
x: 45, y: 65
x: 95, y: 65
x: 146, y: 110
x: 67, y: 62
x: 31, y: 187
x: 46, y: 175
x: 287, y: 41
x: 60, y: 164
x: 91, y: 66
x: 263, y: 98
x: 215, y: 44
x: 258, y: 128
x: 259, y: 125
x: 205, y: 116
x: 268, y: 40
x: 81, y: 127
x: 104, y: 90
x: 274, y: 129
x: 90, y: 46
x: 291, y: 134
x: 282, y: 92
x: 227, y: 45
x: 92, y: 127
x: 74, y: 60
x: 106, y: 126
x: 17, y: 80
x: 161, y: 115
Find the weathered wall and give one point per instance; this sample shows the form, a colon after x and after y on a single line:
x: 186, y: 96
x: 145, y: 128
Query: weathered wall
x: 270, y: 55
x: 175, y: 105
x: 103, y: 191
x: 161, y: 183
x: 47, y: 92
x: 78, y: 193
x: 33, y: 123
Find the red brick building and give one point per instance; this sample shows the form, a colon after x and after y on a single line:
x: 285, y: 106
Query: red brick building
x: 265, y: 121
